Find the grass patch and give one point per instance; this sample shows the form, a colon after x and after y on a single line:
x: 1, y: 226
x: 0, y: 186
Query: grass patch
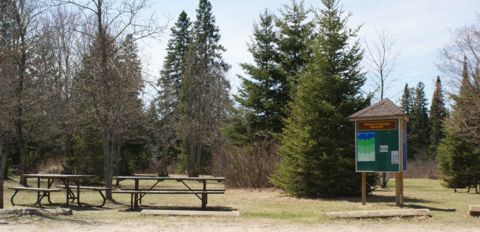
x: 446, y: 206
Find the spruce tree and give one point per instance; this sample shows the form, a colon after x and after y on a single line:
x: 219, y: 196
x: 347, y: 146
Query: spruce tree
x: 203, y: 93
x: 264, y: 92
x: 295, y: 33
x: 128, y: 91
x: 407, y: 101
x: 173, y: 66
x: 167, y: 139
x: 317, y: 148
x: 458, y: 156
x: 438, y: 113
x: 419, y: 124
x: 407, y: 105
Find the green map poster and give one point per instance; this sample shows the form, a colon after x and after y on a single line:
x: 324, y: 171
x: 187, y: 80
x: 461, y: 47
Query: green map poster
x: 366, y: 146
x: 377, y: 146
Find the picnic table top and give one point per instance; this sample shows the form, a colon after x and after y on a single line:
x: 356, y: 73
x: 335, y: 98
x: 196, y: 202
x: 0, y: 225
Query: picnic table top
x: 178, y: 178
x: 58, y: 176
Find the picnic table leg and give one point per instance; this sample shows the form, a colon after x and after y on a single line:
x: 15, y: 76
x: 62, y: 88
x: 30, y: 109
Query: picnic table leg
x: 204, y: 200
x: 70, y: 194
x: 13, y: 195
x: 204, y: 195
x: 38, y: 193
x: 131, y: 202
x: 49, y: 184
x: 103, y: 198
x: 42, y: 196
x: 143, y: 194
x: 67, y: 188
x: 136, y: 195
x: 78, y: 192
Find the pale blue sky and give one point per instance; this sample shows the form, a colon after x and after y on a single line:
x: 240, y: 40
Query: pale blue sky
x: 421, y: 28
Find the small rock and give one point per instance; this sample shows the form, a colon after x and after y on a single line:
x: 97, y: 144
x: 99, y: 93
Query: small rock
x: 3, y: 222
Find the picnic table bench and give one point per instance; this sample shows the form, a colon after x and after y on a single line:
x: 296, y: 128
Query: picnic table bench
x: 42, y: 192
x: 137, y: 193
x: 99, y: 189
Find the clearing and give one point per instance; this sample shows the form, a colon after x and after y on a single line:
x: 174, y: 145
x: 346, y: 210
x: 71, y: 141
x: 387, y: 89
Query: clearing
x: 261, y: 210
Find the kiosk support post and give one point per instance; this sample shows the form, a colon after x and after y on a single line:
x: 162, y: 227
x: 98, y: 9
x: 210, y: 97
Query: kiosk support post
x: 364, y: 188
x: 399, y: 175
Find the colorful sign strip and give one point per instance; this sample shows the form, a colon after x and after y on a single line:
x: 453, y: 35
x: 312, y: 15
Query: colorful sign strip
x: 377, y: 125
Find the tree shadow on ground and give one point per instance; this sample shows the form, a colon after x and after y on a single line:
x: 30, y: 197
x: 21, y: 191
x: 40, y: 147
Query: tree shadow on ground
x: 381, y: 199
x: 35, y: 217
x: 416, y: 206
x: 183, y: 208
x: 72, y: 206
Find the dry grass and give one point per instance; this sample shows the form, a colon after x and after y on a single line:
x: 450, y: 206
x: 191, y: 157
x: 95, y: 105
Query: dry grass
x: 422, y: 169
x: 272, y: 205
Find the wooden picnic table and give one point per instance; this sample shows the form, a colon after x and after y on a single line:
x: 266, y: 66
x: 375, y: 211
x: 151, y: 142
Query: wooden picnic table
x: 66, y: 179
x: 137, y: 194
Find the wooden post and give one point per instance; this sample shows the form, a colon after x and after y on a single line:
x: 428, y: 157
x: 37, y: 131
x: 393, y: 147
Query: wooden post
x: 397, y: 189
x: 364, y: 188
x: 401, y: 188
x: 399, y: 175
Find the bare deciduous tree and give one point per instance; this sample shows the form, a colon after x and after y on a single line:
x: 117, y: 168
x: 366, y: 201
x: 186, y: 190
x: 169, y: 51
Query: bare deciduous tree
x: 114, y: 21
x: 381, y: 59
x: 20, y: 21
x: 53, y: 120
x: 463, y: 55
x: 6, y: 93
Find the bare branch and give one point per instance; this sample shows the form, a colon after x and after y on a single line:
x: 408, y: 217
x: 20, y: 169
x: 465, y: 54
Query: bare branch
x: 382, y: 60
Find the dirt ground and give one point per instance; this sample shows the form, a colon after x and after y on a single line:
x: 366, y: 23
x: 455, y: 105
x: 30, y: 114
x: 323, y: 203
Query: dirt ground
x: 184, y: 224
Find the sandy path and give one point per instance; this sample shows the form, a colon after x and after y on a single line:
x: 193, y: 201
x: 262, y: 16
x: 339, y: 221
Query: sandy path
x: 185, y: 225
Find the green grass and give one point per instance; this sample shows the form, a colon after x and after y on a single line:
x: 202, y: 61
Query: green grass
x: 446, y: 206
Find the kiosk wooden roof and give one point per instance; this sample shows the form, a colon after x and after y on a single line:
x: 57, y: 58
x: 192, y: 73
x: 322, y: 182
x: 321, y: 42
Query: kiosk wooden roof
x: 381, y: 110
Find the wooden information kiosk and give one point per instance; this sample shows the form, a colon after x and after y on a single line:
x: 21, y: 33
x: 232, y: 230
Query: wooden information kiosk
x: 380, y: 143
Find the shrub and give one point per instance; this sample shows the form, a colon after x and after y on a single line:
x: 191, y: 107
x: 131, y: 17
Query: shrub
x: 246, y: 166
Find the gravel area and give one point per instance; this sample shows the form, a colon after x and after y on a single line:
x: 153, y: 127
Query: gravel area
x: 185, y: 225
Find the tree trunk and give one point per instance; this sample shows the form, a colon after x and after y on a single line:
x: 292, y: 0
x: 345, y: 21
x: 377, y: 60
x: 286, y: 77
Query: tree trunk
x: 107, y: 162
x: 163, y: 163
x: 116, y: 147
x: 105, y: 119
x: 384, y: 180
x: 194, y: 155
x: 2, y: 170
x: 68, y: 146
x: 22, y: 148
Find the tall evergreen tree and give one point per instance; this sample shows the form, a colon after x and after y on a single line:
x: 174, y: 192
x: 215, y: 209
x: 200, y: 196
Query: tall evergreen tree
x: 438, y: 113
x: 458, y: 156
x: 407, y: 105
x: 407, y: 100
x: 264, y: 93
x: 419, y: 124
x: 167, y: 138
x: 130, y: 130
x: 317, y: 147
x: 204, y: 92
x: 173, y: 66
x: 295, y: 33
